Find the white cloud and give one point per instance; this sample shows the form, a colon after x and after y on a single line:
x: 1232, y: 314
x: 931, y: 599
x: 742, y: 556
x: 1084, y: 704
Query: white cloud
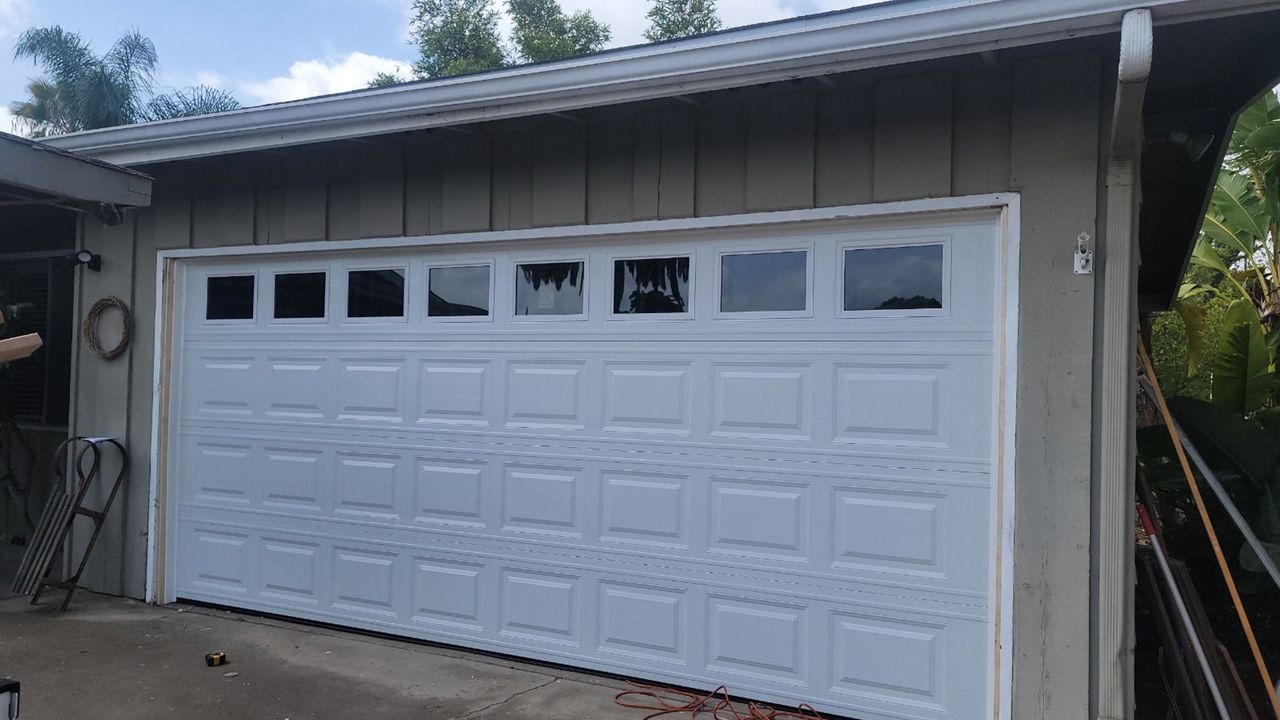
x: 14, y: 16
x: 308, y: 78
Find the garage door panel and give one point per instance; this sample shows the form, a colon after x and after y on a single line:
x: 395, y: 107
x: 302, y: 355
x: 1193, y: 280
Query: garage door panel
x: 895, y: 658
x: 919, y: 405
x: 885, y: 525
x: 796, y: 503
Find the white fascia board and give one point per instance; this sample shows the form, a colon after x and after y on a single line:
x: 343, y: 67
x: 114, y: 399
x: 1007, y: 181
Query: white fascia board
x: 878, y: 35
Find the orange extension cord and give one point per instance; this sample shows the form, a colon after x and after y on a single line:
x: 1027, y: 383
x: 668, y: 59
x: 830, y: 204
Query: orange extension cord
x: 715, y: 705
x: 1227, y: 577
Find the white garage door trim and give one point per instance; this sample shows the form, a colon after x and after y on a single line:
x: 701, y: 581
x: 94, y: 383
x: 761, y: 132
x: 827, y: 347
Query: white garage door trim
x: 172, y: 265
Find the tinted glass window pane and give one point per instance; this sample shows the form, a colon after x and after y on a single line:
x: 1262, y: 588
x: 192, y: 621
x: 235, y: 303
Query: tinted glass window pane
x: 300, y: 295
x: 549, y: 288
x: 759, y: 282
x: 458, y: 291
x: 900, y: 278
x: 229, y: 298
x: 658, y: 285
x: 375, y: 293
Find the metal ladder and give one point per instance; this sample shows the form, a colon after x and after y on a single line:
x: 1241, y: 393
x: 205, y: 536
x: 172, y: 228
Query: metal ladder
x: 60, y: 514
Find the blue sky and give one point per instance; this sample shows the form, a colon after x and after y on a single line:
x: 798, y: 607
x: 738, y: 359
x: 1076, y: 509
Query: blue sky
x: 273, y: 50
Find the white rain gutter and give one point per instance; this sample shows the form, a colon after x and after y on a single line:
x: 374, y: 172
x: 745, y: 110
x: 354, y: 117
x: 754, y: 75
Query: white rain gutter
x: 1114, y: 641
x: 873, y: 36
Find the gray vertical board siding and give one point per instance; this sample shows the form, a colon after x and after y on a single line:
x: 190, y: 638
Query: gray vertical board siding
x: 647, y: 169
x: 1054, y: 164
x: 677, y: 163
x: 780, y: 147
x: 422, y: 189
x: 515, y: 168
x: 223, y: 202
x: 306, y: 178
x: 609, y: 170
x: 366, y: 191
x: 381, y: 187
x: 913, y: 137
x: 168, y: 220
x: 560, y: 174
x: 980, y: 156
x: 101, y: 407
x: 465, y: 192
x: 721, y: 172
x: 845, y: 147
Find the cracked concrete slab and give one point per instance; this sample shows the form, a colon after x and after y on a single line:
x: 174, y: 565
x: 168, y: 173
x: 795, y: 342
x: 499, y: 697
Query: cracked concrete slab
x: 118, y: 659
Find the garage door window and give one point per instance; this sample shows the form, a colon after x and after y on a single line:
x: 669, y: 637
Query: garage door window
x: 901, y: 280
x: 229, y: 297
x: 458, y: 292
x: 554, y: 289
x: 300, y: 296
x: 765, y: 282
x: 375, y: 293
x: 651, y: 286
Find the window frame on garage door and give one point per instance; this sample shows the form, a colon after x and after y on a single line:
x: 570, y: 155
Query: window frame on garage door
x: 171, y: 269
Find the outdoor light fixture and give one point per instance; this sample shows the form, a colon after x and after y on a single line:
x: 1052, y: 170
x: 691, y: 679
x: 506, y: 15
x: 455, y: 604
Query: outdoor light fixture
x: 84, y: 257
x: 9, y: 699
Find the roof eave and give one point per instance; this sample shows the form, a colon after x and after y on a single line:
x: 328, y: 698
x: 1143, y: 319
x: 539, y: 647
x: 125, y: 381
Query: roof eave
x: 873, y: 36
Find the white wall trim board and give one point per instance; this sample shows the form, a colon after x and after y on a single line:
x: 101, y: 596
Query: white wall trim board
x: 885, y: 34
x: 174, y: 266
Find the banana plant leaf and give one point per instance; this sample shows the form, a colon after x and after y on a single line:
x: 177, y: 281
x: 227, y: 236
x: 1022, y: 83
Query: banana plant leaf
x: 1245, y: 457
x: 1242, y: 376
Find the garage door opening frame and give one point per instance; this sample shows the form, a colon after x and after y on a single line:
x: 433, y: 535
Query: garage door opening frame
x: 171, y: 271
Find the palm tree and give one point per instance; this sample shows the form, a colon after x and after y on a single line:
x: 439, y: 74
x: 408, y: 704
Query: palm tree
x: 196, y: 100
x: 92, y: 91
x: 43, y: 113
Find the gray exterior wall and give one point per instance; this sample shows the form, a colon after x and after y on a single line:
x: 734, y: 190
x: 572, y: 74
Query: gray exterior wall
x: 1031, y: 124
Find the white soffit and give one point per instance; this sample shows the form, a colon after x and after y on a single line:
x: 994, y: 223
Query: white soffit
x: 877, y: 35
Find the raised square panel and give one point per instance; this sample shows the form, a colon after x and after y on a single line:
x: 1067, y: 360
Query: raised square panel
x: 447, y: 592
x: 889, y: 404
x: 889, y: 659
x: 759, y: 519
x: 759, y: 639
x: 761, y: 401
x: 364, y: 581
x: 224, y: 386
x: 366, y: 485
x: 291, y: 479
x: 538, y: 499
x: 288, y: 570
x: 221, y: 473
x: 370, y: 390
x: 218, y: 560
x: 295, y: 387
x: 642, y: 620
x: 888, y: 530
x: 545, y: 395
x: 647, y: 398
x: 644, y: 508
x: 453, y: 394
x: 541, y: 606
x: 449, y: 492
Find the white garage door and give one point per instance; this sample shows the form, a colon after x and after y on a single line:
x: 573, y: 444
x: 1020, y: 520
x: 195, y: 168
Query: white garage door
x: 761, y: 457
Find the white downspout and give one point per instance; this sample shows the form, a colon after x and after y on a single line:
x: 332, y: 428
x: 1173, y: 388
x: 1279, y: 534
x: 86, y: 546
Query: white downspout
x: 1113, y: 648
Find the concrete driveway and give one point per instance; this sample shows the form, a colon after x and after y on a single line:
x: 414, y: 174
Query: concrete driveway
x: 110, y: 658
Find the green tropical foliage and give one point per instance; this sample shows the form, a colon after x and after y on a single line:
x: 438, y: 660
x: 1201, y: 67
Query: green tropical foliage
x: 456, y: 37
x: 1227, y: 323
x: 672, y: 19
x: 189, y: 102
x: 387, y: 79
x: 92, y: 91
x: 85, y: 91
x: 543, y: 32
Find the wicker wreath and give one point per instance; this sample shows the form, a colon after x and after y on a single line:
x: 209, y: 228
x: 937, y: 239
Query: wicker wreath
x: 90, y: 327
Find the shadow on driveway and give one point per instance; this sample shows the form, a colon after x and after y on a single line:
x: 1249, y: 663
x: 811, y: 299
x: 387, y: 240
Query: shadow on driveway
x: 116, y: 659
